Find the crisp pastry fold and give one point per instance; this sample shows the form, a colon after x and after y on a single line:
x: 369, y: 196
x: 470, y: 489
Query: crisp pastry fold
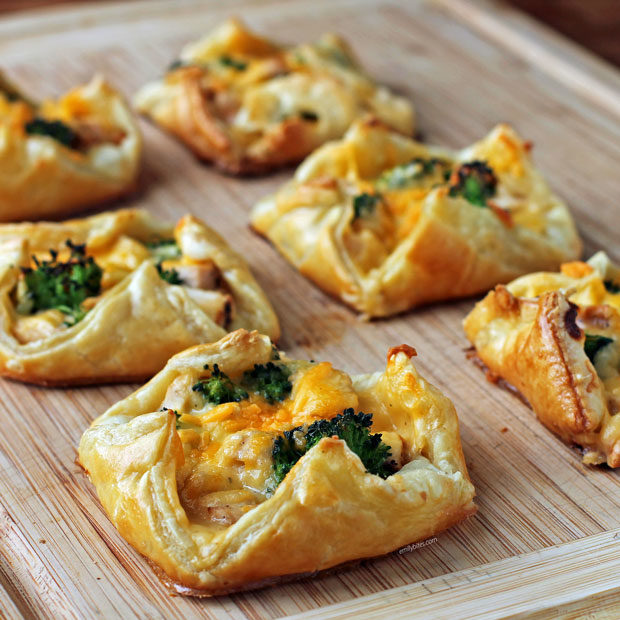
x: 113, y: 296
x: 61, y: 156
x: 193, y: 485
x: 556, y: 338
x: 249, y: 105
x: 387, y: 224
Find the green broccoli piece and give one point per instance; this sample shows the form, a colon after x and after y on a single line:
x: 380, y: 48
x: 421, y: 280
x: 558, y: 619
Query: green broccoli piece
x: 169, y: 275
x: 594, y: 344
x: 63, y: 286
x: 218, y: 388
x: 474, y: 181
x: 269, y: 381
x: 353, y: 428
x: 57, y: 130
x: 229, y: 61
x: 407, y: 174
x: 611, y: 286
x: 176, y: 64
x: 164, y: 249
x: 309, y: 115
x: 364, y: 204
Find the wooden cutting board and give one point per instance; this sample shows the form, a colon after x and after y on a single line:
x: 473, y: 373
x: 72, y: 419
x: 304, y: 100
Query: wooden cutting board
x: 547, y: 533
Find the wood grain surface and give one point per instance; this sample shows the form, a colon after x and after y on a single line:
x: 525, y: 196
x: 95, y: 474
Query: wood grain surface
x: 467, y: 66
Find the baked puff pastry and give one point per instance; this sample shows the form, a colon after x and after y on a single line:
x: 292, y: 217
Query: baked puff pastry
x: 237, y: 467
x: 556, y: 338
x: 61, y: 156
x: 386, y: 223
x: 249, y: 105
x: 112, y: 297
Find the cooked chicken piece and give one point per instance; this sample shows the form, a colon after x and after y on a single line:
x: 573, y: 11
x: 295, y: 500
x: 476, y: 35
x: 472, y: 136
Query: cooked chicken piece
x: 219, y: 306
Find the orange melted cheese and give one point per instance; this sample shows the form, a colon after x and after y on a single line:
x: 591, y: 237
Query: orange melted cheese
x: 228, y: 449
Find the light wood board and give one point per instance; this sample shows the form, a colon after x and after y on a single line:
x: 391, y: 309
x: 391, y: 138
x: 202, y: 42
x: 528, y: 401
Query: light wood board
x: 547, y: 533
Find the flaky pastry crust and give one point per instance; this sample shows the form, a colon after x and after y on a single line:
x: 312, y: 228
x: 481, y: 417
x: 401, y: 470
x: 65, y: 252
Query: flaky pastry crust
x: 137, y: 323
x: 532, y: 333
x: 328, y: 510
x: 41, y: 177
x: 418, y: 243
x: 249, y: 105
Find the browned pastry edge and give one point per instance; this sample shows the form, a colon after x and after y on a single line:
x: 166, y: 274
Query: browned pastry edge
x: 546, y: 362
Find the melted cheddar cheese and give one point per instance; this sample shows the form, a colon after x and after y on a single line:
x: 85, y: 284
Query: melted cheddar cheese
x: 228, y: 447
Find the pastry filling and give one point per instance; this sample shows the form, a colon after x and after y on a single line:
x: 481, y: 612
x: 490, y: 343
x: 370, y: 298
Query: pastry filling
x: 69, y: 121
x: 386, y: 209
x: 261, y: 85
x: 56, y: 290
x: 241, y: 435
x: 604, y: 353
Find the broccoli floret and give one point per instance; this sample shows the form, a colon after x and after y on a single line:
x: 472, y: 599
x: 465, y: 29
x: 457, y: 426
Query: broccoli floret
x: 407, y: 174
x: 611, y: 286
x: 218, y: 388
x: 63, y: 286
x: 364, y: 204
x: 57, y: 130
x: 475, y: 181
x: 229, y: 61
x: 269, y: 381
x: 176, y: 64
x: 309, y: 115
x: 353, y: 428
x: 169, y: 275
x: 164, y: 249
x: 594, y: 344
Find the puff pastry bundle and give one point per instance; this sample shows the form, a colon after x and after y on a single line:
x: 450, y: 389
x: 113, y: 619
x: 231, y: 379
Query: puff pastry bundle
x: 249, y: 105
x: 189, y: 467
x: 556, y: 338
x: 61, y: 156
x: 386, y: 223
x: 113, y: 296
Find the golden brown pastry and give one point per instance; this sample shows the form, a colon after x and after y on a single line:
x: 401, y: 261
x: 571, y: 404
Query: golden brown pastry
x: 227, y: 470
x: 556, y: 338
x: 386, y: 223
x: 249, y: 105
x: 113, y: 296
x: 61, y: 156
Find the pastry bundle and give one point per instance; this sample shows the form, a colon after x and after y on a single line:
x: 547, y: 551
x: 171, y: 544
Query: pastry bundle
x: 58, y: 157
x: 236, y: 466
x: 250, y: 105
x: 556, y: 338
x: 386, y: 223
x: 111, y: 297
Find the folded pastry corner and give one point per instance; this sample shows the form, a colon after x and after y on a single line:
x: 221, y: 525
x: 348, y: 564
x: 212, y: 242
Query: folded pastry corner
x: 237, y: 467
x: 111, y: 297
x: 386, y: 223
x: 249, y: 105
x: 58, y: 157
x: 556, y: 338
